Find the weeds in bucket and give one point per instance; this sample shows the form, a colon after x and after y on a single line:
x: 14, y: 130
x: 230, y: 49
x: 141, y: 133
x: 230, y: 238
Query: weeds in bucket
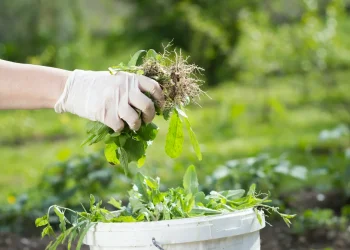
x: 180, y: 83
x: 148, y: 203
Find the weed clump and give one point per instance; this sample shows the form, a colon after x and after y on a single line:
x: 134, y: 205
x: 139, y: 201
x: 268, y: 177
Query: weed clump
x: 178, y: 78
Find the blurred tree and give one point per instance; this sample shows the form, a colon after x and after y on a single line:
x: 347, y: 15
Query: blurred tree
x: 206, y: 29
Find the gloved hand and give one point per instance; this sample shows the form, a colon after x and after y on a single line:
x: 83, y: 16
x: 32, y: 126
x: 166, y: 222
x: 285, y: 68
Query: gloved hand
x: 110, y: 99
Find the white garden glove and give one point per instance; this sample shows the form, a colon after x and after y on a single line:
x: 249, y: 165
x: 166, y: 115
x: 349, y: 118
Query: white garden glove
x: 110, y: 99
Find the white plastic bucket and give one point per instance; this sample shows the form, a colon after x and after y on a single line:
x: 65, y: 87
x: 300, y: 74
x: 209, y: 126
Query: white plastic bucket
x: 238, y: 230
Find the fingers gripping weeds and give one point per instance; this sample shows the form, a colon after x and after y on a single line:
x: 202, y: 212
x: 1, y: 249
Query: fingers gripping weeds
x: 171, y: 83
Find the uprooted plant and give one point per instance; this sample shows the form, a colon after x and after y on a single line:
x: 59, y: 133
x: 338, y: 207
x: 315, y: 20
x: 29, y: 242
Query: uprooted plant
x: 148, y: 203
x: 179, y: 81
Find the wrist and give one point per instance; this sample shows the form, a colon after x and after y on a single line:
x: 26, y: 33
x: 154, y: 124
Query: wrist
x: 58, y: 87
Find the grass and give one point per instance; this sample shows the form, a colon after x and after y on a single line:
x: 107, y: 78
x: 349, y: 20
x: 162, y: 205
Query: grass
x: 240, y: 120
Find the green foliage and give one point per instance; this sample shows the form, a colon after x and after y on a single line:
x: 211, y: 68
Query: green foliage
x: 175, y: 137
x: 262, y: 169
x: 311, y: 42
x: 148, y: 203
x: 62, y: 183
x: 313, y: 219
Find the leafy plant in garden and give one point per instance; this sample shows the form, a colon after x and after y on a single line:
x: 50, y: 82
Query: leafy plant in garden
x: 313, y: 219
x: 148, y: 203
x: 180, y: 86
x: 264, y: 170
x: 63, y: 183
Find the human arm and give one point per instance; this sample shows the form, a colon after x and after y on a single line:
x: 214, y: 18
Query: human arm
x: 25, y: 86
x: 95, y: 95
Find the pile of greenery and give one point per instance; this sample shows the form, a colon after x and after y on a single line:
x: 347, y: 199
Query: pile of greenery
x: 148, y: 203
x: 179, y: 81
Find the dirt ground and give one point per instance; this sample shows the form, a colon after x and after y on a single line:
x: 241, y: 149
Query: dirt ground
x: 272, y: 238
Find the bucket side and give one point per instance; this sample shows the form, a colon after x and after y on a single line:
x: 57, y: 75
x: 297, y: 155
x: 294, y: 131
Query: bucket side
x: 250, y: 241
x: 207, y: 229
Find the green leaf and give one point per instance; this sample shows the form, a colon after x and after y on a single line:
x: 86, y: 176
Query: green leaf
x: 151, y: 53
x: 200, y: 197
x: 92, y: 201
x: 181, y: 112
x: 116, y: 204
x: 141, y: 186
x: 232, y: 194
x: 124, y: 160
x: 258, y: 215
x: 166, y: 114
x: 124, y: 219
x: 148, y: 132
x: 82, y: 235
x: 252, y: 190
x: 151, y: 183
x: 97, y: 132
x: 47, y: 231
x: 190, y: 180
x: 72, y: 237
x: 135, y: 57
x: 175, y: 138
x: 123, y: 139
x: 193, y: 139
x: 61, y: 218
x: 111, y: 153
x: 42, y: 221
x: 141, y: 161
x: 134, y: 149
x: 204, y: 210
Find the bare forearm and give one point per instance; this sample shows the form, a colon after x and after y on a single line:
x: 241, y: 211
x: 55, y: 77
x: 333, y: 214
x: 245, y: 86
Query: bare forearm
x: 24, y: 86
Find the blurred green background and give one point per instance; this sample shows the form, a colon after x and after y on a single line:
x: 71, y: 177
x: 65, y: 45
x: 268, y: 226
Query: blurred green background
x: 277, y: 72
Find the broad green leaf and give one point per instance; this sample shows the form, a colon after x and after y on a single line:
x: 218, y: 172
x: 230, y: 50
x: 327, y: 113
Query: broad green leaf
x: 193, y: 139
x: 123, y: 157
x: 42, y: 221
x: 122, y: 139
x: 175, y: 138
x: 148, y: 132
x: 111, y: 153
x: 200, y: 197
x: 139, y: 181
x: 134, y: 149
x: 189, y: 203
x: 135, y: 57
x: 116, y: 204
x: 190, y: 181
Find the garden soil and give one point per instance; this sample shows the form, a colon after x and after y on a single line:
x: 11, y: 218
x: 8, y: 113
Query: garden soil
x: 272, y: 238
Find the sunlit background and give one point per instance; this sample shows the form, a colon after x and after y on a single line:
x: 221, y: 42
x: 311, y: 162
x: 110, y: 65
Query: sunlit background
x: 277, y: 72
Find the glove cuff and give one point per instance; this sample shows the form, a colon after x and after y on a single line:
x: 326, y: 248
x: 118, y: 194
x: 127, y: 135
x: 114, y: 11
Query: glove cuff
x: 60, y: 104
